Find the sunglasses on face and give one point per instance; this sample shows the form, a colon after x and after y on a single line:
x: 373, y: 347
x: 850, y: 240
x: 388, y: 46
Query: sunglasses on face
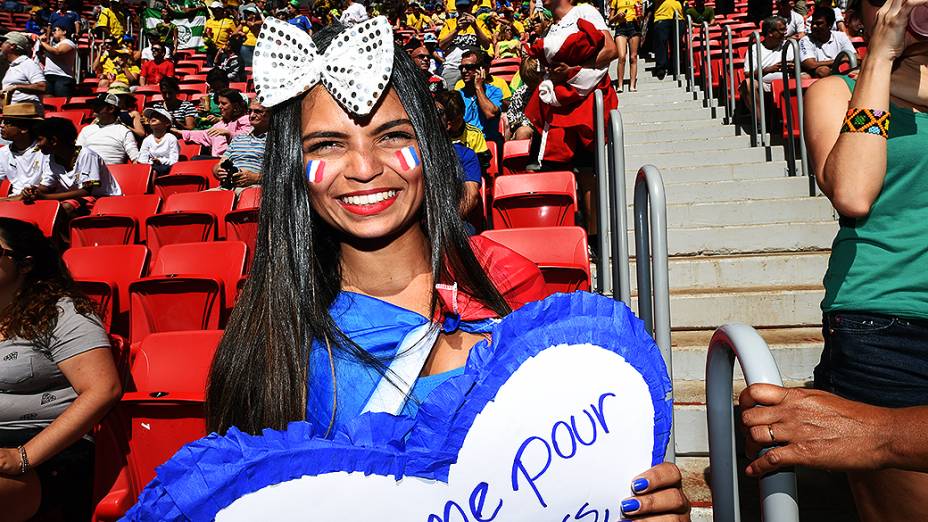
x: 6, y: 252
x: 470, y: 67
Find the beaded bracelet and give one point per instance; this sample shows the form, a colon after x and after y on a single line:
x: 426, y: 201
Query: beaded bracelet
x: 24, y: 466
x: 868, y: 121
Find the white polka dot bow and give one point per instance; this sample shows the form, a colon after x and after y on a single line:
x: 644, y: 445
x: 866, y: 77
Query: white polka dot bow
x: 355, y: 68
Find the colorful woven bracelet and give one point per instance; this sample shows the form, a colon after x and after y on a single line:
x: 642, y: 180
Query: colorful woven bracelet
x: 868, y: 121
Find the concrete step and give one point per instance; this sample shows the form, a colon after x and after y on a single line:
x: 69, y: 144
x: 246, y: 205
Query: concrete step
x: 748, y: 212
x: 637, y: 156
x: 688, y: 112
x: 695, y: 127
x: 749, y: 239
x: 761, y: 307
x: 684, y: 191
x: 704, y: 173
x: 795, y: 350
x: 679, y: 134
x: 743, y: 271
x: 645, y: 97
x: 694, y: 144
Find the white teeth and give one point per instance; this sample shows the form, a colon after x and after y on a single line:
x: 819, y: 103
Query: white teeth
x: 369, y: 199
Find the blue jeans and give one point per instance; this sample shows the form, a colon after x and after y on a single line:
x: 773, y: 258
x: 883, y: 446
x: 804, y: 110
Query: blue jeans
x: 247, y: 53
x: 875, y: 359
x: 59, y: 85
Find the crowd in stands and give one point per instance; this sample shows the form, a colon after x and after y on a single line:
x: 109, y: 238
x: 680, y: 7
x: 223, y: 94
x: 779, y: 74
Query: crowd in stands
x: 92, y: 87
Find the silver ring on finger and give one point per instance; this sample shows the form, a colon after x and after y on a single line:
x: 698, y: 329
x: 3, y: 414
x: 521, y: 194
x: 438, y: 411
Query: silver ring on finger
x: 770, y: 432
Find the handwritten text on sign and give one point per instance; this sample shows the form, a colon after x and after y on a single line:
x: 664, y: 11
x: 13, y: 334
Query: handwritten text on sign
x: 562, y: 441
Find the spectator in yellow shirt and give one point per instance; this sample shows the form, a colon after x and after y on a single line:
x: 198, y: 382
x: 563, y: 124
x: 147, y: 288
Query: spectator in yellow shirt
x: 460, y: 32
x: 624, y: 20
x: 416, y: 18
x: 663, y: 35
x: 116, y: 64
x: 112, y: 19
x: 217, y: 29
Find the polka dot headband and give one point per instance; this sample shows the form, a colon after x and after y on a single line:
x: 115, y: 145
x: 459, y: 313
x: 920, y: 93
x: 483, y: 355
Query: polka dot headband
x: 355, y: 68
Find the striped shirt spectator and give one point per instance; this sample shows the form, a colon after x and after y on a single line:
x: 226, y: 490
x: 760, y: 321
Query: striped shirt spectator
x: 180, y: 113
x: 247, y: 151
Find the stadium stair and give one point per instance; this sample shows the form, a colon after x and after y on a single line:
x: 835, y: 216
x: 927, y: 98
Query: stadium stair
x: 747, y: 244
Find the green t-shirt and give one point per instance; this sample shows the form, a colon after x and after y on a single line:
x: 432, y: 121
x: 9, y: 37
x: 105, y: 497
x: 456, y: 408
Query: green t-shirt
x: 879, y: 263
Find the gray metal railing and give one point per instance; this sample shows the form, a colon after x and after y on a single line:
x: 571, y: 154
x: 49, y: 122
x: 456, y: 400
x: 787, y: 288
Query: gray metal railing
x: 676, y: 48
x: 652, y: 266
x: 730, y: 78
x: 619, y: 203
x: 791, y: 158
x: 603, y: 273
x: 691, y: 85
x: 757, y: 92
x: 708, y: 95
x: 777, y: 490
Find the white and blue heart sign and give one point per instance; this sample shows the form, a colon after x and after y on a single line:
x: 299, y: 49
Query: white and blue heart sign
x: 551, y: 421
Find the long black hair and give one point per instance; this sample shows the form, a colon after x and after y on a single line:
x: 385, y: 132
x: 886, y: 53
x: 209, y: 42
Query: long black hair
x: 260, y: 374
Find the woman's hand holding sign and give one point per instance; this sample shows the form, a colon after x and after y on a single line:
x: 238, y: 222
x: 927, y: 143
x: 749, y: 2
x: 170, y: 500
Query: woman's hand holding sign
x: 658, y: 496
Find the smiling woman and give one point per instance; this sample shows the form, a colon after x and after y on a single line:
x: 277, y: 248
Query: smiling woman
x: 366, y: 292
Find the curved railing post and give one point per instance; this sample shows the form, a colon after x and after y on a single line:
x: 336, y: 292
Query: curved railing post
x: 730, y: 80
x: 707, y: 73
x: 757, y: 92
x: 619, y: 205
x: 793, y: 45
x: 777, y: 490
x: 651, y: 251
x: 676, y: 47
x: 689, y: 45
x: 603, y: 273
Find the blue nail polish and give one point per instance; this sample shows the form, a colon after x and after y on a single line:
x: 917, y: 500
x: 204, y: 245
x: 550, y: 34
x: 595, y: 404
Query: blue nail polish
x: 639, y: 485
x: 630, y: 505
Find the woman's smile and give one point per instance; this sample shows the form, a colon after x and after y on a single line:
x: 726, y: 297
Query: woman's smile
x: 368, y: 202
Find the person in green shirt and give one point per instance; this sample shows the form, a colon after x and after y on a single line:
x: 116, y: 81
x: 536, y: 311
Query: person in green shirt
x: 700, y: 12
x: 875, y: 310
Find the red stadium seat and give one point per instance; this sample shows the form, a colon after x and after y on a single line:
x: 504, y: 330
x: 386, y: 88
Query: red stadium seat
x: 195, y: 64
x: 4, y: 188
x: 239, y: 86
x: 197, y: 167
x: 515, y: 156
x: 54, y: 103
x: 193, y: 88
x: 249, y: 198
x: 76, y: 117
x: 148, y: 426
x: 193, y: 78
x: 115, y: 220
x: 188, y: 150
x: 190, y: 287
x: 133, y: 179
x: 565, y: 268
x: 242, y: 225
x: 167, y: 186
x: 42, y: 213
x: 78, y: 106
x: 147, y: 89
x: 506, y: 72
x: 188, y: 218
x: 493, y: 167
x: 104, y: 274
x: 542, y: 199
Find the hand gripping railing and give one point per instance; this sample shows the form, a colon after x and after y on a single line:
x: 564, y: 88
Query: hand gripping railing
x: 676, y: 48
x: 691, y: 85
x: 777, y: 490
x: 757, y: 91
x: 603, y: 273
x: 619, y: 206
x: 730, y: 79
x: 708, y: 95
x: 793, y: 45
x: 653, y: 285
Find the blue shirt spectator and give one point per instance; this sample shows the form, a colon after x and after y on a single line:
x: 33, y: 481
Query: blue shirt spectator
x: 33, y: 27
x: 470, y: 163
x: 65, y: 18
x: 302, y: 22
x: 472, y: 114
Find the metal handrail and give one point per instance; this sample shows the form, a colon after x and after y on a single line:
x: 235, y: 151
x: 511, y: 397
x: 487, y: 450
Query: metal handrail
x: 653, y: 285
x: 777, y: 490
x: 676, y: 48
x: 689, y: 45
x: 618, y: 202
x: 603, y: 273
x: 851, y: 61
x: 790, y: 143
x: 730, y: 81
x: 757, y: 92
x: 708, y: 95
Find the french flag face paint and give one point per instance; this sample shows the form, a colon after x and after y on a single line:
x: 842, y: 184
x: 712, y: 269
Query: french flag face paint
x: 408, y: 158
x: 314, y: 170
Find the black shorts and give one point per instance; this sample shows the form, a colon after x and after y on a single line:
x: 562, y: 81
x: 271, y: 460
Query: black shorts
x: 66, y: 478
x: 628, y: 29
x: 875, y: 359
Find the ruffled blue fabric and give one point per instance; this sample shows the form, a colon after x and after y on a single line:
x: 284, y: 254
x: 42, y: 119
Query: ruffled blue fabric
x: 208, y: 475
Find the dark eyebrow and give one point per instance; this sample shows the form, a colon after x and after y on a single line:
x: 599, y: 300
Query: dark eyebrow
x: 341, y: 135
